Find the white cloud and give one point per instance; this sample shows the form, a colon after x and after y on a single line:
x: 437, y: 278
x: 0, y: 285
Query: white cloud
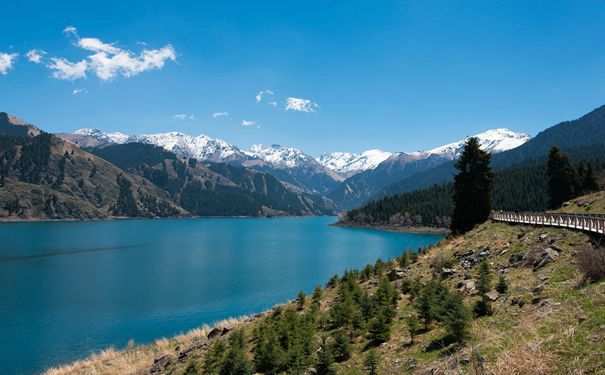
x: 108, y: 65
x: 107, y: 60
x: 35, y: 55
x: 220, y: 114
x: 248, y: 123
x: 96, y: 45
x: 70, y: 30
x: 260, y: 94
x: 273, y: 104
x: 6, y: 61
x: 67, y: 70
x: 300, y: 105
x: 183, y: 117
x: 79, y: 91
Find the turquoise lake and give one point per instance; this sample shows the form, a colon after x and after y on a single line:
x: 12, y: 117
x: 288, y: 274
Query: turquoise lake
x: 68, y: 289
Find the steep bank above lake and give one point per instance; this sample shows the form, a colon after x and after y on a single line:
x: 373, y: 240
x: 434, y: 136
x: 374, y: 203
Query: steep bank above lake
x: 549, y: 320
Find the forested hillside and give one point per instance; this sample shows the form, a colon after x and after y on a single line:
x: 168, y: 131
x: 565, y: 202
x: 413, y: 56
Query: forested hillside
x: 43, y: 177
x: 212, y: 189
x: 521, y: 188
x: 583, y: 138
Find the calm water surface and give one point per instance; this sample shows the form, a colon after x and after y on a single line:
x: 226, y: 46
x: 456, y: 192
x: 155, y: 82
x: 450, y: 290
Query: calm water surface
x: 71, y: 288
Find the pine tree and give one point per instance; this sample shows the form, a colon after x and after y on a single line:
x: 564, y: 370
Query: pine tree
x: 472, y: 188
x: 484, y: 285
x: 561, y: 178
x: 502, y: 286
x: 587, y: 180
x: 235, y: 361
x: 341, y: 347
x: 455, y: 316
x: 325, y: 360
x: 413, y: 327
x: 371, y: 362
x: 300, y: 300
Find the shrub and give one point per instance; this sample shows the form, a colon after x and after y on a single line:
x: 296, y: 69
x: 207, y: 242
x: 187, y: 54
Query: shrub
x: 341, y: 347
x: 502, y: 286
x: 591, y: 262
x: 371, y: 362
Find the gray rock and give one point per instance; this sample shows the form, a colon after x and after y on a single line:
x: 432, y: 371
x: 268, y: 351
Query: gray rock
x: 215, y: 332
x: 543, y: 237
x: 160, y: 364
x: 395, y: 274
x: 493, y: 295
x: 447, y: 272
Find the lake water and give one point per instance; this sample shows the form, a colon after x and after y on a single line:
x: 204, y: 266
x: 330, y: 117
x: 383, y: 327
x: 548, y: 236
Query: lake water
x: 71, y: 288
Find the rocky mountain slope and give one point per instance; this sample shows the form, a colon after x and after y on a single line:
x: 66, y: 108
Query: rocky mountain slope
x: 547, y: 319
x: 291, y: 166
x: 359, y: 188
x: 582, y: 138
x: 47, y: 177
x: 212, y: 189
x: 347, y: 164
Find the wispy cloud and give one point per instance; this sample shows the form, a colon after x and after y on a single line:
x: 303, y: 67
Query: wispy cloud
x: 7, y: 61
x: 35, y: 55
x: 273, y: 104
x: 107, y: 60
x: 300, y: 105
x: 70, y: 30
x: 248, y: 123
x: 67, y: 70
x: 220, y: 114
x: 79, y: 91
x: 259, y: 96
x: 183, y: 117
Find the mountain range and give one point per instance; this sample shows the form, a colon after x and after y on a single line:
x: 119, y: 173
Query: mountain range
x: 201, y: 175
x: 42, y: 176
x: 300, y: 171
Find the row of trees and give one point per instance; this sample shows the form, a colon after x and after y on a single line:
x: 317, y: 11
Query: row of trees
x: 566, y: 182
x: 534, y: 186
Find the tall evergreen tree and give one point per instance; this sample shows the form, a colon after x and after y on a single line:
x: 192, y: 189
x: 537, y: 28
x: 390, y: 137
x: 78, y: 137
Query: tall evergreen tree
x: 561, y: 178
x: 472, y: 188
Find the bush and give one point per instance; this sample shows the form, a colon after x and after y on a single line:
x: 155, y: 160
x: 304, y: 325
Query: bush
x: 591, y: 262
x: 502, y: 286
x: 341, y: 347
x: 371, y: 362
x: 455, y: 316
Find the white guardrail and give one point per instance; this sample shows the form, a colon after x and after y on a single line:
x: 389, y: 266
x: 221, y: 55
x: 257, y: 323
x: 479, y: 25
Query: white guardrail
x: 590, y: 222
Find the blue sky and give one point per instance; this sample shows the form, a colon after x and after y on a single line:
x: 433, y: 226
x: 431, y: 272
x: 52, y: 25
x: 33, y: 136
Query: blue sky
x: 396, y: 75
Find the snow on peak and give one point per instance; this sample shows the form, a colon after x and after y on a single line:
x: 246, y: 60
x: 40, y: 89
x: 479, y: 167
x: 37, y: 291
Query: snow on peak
x: 115, y: 137
x: 280, y: 156
x: 347, y: 164
x: 494, y: 141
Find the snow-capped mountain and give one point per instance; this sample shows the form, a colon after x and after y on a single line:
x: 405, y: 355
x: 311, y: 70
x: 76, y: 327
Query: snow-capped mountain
x: 99, y: 135
x: 347, y: 164
x: 199, y: 147
x: 292, y: 166
x: 360, y: 187
x: 494, y: 141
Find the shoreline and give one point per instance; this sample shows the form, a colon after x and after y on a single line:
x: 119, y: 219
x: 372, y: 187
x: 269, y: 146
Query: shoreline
x: 117, y: 218
x: 394, y: 228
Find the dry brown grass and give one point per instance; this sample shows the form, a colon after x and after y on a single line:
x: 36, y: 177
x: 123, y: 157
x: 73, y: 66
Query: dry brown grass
x: 136, y: 360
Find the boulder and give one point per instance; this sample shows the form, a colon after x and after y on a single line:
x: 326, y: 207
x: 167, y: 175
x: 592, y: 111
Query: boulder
x: 216, y: 332
x: 160, y: 364
x: 447, y: 272
x: 467, y: 286
x: 543, y: 237
x: 492, y: 296
x: 395, y: 274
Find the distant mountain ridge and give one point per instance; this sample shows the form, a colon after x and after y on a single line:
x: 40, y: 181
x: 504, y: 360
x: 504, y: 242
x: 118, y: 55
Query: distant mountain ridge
x: 347, y: 164
x: 290, y: 165
x: 359, y: 188
x: 43, y: 176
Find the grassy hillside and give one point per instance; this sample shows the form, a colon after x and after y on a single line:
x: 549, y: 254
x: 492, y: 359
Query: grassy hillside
x: 549, y: 321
